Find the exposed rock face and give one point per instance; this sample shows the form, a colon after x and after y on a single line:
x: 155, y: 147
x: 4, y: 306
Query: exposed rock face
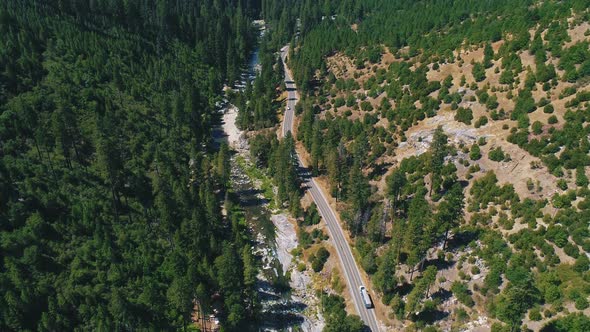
x: 236, y: 139
x: 286, y: 240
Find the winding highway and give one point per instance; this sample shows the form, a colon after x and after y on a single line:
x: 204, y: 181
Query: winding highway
x: 349, y: 266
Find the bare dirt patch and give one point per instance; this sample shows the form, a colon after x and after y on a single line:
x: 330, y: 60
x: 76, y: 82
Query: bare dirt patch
x: 577, y: 34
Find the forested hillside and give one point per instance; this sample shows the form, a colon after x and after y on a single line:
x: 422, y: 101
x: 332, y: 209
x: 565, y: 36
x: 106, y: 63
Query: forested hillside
x: 434, y: 28
x: 110, y: 191
x: 454, y: 138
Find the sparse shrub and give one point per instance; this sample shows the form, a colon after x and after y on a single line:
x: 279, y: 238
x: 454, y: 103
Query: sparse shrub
x: 570, y: 90
x: 530, y: 185
x: 537, y: 127
x: 582, y: 264
x: 571, y: 250
x: 581, y: 178
x: 506, y: 223
x: 546, y: 86
x: 366, y: 106
x: 548, y: 313
x: 464, y: 115
x: 523, y: 121
x: 462, y: 293
x: 319, y: 259
x: 535, y: 164
x: 482, y: 121
x: 535, y: 314
x: 301, y: 267
x: 461, y: 314
x: 492, y: 102
x: 297, y: 251
x: 463, y: 275
x: 478, y: 72
x: 507, y: 77
x: 311, y: 216
x: 542, y: 102
x: 338, y: 102
x: 475, y: 152
x: 548, y: 109
x: 305, y: 240
x: 562, y: 184
x: 581, y: 303
x: 496, y: 154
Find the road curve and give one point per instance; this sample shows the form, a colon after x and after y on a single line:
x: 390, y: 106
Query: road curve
x: 349, y: 267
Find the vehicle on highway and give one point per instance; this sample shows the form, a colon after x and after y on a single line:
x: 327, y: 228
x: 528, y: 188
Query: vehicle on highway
x: 288, y: 108
x: 366, y: 297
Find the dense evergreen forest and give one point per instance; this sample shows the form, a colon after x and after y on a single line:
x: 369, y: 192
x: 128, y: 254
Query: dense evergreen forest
x: 110, y: 191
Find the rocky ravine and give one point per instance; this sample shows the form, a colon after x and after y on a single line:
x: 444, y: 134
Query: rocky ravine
x: 298, y: 306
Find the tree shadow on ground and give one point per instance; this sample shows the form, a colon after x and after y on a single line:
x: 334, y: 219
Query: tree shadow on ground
x: 440, y: 264
x: 379, y: 170
x: 442, y: 295
x: 462, y: 238
x: 250, y: 197
x: 431, y: 316
x: 404, y: 289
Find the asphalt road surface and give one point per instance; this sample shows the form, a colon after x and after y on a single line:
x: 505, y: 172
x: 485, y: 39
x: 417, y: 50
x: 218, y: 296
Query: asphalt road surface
x: 292, y: 95
x: 349, y: 267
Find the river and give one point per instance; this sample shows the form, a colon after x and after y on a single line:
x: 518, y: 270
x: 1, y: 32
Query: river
x: 287, y: 301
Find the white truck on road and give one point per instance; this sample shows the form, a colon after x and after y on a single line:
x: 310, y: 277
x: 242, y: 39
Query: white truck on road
x: 366, y: 297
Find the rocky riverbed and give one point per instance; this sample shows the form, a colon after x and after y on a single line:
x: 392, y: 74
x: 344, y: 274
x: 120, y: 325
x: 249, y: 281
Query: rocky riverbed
x: 287, y: 300
x: 285, y: 293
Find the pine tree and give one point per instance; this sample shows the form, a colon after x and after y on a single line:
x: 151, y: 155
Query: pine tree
x: 316, y: 148
x: 438, y: 152
x: 420, y: 291
x: 478, y: 72
x: 333, y: 170
x: 385, y: 279
x: 581, y: 178
x: 223, y: 167
x: 395, y: 183
x: 418, y: 236
x: 450, y: 211
x: 488, y: 55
